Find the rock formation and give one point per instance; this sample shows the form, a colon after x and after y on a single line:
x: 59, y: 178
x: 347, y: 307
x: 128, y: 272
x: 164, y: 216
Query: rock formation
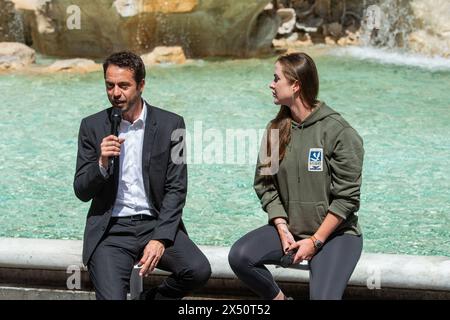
x: 73, y: 65
x: 432, y: 36
x: 15, y: 56
x: 85, y: 28
x: 419, y: 25
x: 164, y: 55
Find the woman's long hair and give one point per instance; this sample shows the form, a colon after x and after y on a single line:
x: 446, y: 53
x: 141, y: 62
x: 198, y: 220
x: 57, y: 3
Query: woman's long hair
x: 295, y: 67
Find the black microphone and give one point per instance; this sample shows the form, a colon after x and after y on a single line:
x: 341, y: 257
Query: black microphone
x: 116, y: 117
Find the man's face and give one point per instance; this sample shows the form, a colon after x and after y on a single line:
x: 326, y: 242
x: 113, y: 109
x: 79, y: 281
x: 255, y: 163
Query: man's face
x: 123, y: 91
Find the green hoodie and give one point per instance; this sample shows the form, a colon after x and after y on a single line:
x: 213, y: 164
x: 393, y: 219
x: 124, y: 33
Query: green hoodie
x: 320, y: 172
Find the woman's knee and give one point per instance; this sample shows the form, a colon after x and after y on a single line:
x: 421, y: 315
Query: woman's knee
x: 238, y: 257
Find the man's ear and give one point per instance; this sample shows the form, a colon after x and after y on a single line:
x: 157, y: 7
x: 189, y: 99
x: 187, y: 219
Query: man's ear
x: 141, y: 85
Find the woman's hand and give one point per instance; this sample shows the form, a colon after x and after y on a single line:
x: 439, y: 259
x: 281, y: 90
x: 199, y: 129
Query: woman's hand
x: 286, y: 236
x: 305, y: 250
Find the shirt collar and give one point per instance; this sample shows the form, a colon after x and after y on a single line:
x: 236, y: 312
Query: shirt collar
x: 142, y: 116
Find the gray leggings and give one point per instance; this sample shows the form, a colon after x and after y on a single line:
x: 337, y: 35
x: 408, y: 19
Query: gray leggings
x: 330, y: 268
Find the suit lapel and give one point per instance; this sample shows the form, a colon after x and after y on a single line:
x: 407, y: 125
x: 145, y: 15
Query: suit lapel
x: 107, y: 132
x: 107, y: 123
x: 151, y: 128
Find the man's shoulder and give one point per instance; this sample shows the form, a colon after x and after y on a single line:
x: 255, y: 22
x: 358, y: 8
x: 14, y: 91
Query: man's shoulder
x: 161, y: 114
x: 96, y: 117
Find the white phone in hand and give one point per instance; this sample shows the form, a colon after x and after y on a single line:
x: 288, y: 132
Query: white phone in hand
x: 136, y: 282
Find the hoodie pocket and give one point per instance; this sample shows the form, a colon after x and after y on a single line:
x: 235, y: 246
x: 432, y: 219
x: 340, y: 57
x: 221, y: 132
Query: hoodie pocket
x: 305, y: 217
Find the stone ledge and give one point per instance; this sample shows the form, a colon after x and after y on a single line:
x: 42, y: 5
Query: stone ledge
x: 43, y: 262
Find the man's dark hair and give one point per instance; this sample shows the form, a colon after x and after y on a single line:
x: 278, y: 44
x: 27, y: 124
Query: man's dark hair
x: 129, y: 60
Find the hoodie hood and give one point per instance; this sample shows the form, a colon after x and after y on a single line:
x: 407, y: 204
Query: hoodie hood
x: 320, y: 112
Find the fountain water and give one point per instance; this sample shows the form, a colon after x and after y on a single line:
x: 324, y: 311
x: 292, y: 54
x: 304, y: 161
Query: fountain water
x: 387, y: 24
x: 402, y: 114
x: 11, y: 28
x: 413, y: 33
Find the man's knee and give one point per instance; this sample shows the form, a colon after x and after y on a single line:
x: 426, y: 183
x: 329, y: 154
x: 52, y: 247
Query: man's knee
x: 201, y: 273
x: 197, y: 274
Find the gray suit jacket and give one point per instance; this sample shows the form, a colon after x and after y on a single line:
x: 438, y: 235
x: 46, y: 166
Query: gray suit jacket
x: 165, y: 181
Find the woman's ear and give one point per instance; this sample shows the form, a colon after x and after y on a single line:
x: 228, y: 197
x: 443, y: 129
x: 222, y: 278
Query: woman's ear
x: 296, y: 87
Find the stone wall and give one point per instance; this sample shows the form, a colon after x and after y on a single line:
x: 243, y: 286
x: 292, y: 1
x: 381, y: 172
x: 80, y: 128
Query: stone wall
x: 85, y: 28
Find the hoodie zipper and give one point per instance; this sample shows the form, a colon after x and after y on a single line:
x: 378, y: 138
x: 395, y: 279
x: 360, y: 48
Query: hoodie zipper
x: 298, y: 162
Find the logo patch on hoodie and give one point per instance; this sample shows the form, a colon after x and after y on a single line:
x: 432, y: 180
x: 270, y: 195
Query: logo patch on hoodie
x: 315, y: 159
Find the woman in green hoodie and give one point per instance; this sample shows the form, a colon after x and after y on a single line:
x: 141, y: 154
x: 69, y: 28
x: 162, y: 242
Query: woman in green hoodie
x: 313, y: 197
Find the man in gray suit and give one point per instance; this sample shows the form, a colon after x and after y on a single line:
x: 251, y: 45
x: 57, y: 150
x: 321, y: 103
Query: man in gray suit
x: 137, y: 200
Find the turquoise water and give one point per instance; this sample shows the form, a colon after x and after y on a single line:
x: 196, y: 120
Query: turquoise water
x: 402, y: 113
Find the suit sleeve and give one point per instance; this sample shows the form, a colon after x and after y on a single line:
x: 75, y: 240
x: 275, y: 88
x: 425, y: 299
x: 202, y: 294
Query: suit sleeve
x: 88, y: 179
x: 175, y: 188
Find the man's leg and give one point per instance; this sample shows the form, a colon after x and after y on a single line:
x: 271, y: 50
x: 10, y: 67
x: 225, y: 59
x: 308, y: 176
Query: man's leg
x: 112, y: 261
x: 189, y: 266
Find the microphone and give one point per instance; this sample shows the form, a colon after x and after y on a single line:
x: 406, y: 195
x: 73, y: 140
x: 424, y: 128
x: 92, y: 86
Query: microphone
x: 116, y: 117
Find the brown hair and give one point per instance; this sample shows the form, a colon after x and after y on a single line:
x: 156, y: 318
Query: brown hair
x: 129, y: 60
x: 296, y: 67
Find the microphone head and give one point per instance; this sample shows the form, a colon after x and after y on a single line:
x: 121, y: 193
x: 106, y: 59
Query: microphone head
x: 116, y: 115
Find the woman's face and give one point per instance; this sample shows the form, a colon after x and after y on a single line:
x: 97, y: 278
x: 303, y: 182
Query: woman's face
x: 282, y: 89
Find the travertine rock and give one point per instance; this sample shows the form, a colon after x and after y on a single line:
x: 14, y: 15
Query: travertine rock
x: 85, y: 28
x: 164, y: 55
x: 77, y: 65
x: 14, y: 56
x: 433, y: 37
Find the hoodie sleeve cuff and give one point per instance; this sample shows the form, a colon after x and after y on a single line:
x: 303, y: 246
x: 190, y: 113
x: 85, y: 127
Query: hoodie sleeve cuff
x: 339, y: 209
x: 276, y: 210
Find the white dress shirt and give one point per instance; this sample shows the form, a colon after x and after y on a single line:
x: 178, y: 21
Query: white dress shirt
x: 131, y: 198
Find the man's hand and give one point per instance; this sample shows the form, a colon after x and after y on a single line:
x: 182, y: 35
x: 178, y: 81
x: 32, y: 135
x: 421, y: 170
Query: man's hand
x: 110, y: 147
x: 152, y: 253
